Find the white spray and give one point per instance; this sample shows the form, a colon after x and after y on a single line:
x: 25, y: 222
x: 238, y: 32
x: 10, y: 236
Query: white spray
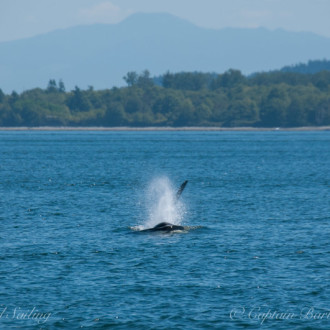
x: 162, y: 204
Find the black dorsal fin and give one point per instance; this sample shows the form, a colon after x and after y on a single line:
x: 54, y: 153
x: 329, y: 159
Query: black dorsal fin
x: 178, y: 194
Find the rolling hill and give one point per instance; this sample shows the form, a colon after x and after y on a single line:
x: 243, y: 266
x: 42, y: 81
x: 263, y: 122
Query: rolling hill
x: 100, y: 55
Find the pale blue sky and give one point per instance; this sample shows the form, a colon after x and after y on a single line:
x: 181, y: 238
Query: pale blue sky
x: 25, y: 18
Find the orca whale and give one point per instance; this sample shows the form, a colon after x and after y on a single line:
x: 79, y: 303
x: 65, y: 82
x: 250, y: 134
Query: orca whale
x: 166, y: 226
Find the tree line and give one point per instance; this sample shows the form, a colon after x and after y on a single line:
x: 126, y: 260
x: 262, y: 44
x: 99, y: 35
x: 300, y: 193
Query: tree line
x: 310, y: 67
x: 271, y: 99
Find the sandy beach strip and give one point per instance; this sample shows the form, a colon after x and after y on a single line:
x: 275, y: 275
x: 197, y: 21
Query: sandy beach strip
x: 155, y: 129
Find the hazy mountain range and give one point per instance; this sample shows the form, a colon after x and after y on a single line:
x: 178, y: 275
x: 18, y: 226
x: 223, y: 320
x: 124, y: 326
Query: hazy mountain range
x: 100, y: 55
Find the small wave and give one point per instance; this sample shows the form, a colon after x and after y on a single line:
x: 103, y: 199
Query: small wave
x: 137, y: 228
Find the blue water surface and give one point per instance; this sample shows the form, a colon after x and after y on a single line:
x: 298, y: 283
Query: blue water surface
x: 257, y: 255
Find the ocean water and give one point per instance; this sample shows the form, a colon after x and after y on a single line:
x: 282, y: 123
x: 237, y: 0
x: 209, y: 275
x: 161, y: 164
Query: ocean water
x: 255, y: 253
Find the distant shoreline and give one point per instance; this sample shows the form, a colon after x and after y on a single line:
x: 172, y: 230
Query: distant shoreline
x: 147, y: 129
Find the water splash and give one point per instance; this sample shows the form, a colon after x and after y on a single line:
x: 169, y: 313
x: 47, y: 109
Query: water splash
x: 162, y: 204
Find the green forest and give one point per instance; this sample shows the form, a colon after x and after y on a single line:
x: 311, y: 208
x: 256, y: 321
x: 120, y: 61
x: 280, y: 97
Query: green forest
x: 270, y: 99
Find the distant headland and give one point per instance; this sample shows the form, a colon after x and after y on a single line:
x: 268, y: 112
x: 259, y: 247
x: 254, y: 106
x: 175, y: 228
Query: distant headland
x: 284, y: 99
